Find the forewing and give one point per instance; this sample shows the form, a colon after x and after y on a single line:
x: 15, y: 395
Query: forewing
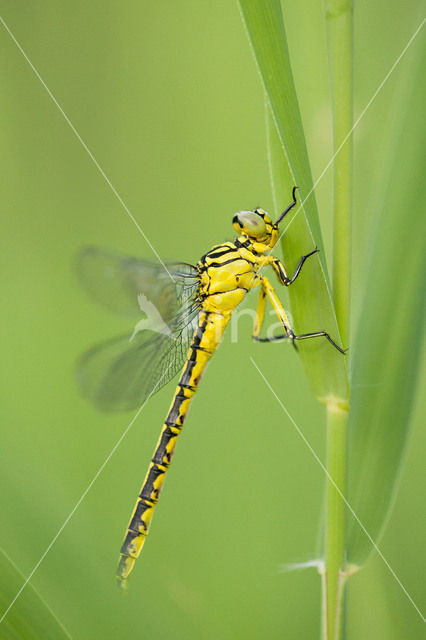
x: 123, y: 372
x: 117, y: 281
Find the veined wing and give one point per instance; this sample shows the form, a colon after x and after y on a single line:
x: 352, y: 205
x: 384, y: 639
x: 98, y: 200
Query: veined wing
x: 116, y: 281
x: 121, y: 373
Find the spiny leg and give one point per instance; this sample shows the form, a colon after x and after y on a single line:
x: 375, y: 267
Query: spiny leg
x: 304, y: 336
x: 268, y: 290
x: 317, y: 334
x: 280, y: 269
x: 290, y: 206
x: 289, y: 281
x: 260, y: 313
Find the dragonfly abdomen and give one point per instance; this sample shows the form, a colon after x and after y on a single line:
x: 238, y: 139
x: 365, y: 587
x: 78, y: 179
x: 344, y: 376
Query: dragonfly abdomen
x: 206, y: 338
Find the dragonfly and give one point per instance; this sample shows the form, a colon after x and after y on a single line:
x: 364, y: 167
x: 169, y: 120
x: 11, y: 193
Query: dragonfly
x: 187, y: 308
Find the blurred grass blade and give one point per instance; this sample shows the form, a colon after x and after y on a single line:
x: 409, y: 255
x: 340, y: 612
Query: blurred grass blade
x: 29, y: 618
x: 389, y: 337
x: 311, y: 302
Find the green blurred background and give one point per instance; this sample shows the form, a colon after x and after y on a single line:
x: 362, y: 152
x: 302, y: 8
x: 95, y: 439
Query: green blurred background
x: 167, y: 98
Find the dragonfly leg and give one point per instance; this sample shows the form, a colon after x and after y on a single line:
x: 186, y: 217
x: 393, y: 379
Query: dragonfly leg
x: 318, y: 334
x: 304, y: 336
x: 260, y: 313
x: 268, y: 291
x: 302, y: 260
x: 274, y: 338
x: 280, y: 269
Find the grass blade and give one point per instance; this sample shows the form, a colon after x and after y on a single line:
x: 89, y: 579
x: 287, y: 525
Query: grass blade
x: 388, y: 343
x: 29, y: 618
x: 311, y: 302
x: 339, y: 21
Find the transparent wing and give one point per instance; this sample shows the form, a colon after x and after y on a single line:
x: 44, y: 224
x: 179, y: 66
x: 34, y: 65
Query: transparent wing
x: 116, y: 281
x: 121, y: 373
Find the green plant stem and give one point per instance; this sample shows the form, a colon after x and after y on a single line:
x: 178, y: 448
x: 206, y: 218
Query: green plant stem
x: 340, y: 46
x: 339, y: 23
x: 335, y: 520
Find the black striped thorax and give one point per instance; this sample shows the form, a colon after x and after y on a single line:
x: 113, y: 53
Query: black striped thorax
x: 230, y: 266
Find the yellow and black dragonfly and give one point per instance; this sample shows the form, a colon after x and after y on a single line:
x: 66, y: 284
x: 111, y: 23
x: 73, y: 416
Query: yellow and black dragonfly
x: 187, y: 310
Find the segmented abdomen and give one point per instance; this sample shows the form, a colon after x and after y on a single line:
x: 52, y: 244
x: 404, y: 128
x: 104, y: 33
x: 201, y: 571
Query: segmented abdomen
x: 205, y: 341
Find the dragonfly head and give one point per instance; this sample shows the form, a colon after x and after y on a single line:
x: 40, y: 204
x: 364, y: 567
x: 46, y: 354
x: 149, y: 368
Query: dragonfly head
x: 258, y: 227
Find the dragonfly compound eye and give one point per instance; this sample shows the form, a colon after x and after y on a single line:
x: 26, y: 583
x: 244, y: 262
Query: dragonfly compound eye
x: 250, y: 223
